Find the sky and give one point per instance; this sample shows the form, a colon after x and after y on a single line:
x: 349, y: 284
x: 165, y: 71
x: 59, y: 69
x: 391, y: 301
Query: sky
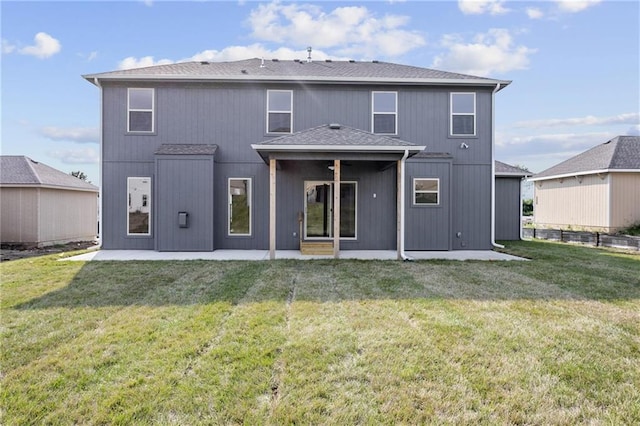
x: 575, y: 65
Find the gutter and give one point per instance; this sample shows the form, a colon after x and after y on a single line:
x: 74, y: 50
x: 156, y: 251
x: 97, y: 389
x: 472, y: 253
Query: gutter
x: 401, y: 253
x: 493, y: 171
x: 100, y: 203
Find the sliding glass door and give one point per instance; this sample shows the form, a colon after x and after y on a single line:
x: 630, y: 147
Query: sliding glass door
x: 318, y: 209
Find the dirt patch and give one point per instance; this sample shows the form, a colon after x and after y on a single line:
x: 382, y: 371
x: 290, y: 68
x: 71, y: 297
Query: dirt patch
x: 8, y: 252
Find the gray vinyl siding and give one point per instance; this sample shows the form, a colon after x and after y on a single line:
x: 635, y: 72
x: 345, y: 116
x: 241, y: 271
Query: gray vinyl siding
x: 184, y: 184
x: 259, y: 175
x: 233, y: 116
x: 508, y: 208
x: 375, y: 217
x: 428, y: 227
x: 471, y: 196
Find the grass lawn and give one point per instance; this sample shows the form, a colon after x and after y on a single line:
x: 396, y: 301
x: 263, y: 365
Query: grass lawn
x: 551, y: 341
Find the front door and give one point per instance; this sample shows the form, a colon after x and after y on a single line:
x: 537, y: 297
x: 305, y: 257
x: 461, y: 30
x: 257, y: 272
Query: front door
x: 318, y: 210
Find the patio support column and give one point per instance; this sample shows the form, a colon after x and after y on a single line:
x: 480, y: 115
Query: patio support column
x: 336, y: 209
x: 399, y: 189
x: 272, y: 208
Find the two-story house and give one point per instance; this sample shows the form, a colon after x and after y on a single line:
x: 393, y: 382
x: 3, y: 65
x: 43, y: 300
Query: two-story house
x: 288, y: 155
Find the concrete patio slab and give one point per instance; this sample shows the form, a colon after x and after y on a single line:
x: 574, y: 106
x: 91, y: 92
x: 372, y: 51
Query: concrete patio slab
x: 289, y: 254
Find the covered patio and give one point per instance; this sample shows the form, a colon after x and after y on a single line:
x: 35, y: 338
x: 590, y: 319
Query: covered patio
x: 335, y: 144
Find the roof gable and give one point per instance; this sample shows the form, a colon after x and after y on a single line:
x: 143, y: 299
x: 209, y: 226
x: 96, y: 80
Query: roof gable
x: 19, y: 170
x: 620, y: 153
x: 286, y: 70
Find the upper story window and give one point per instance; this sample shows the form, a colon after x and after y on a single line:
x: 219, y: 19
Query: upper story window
x: 279, y: 111
x: 463, y: 114
x: 384, y: 112
x: 426, y: 192
x: 140, y: 110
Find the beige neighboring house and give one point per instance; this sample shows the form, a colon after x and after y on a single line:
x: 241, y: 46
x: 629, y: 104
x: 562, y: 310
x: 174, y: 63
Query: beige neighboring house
x: 598, y: 190
x: 42, y: 206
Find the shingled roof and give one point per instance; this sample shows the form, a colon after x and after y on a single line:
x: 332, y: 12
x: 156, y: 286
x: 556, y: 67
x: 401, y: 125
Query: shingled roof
x: 620, y: 153
x: 286, y: 70
x: 504, y: 169
x: 19, y: 170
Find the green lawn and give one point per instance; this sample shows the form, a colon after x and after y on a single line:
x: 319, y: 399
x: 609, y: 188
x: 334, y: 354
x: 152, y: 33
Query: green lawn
x: 551, y: 341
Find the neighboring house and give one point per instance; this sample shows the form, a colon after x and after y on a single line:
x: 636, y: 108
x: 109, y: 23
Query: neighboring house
x: 509, y: 201
x: 598, y: 190
x: 43, y: 206
x: 258, y: 154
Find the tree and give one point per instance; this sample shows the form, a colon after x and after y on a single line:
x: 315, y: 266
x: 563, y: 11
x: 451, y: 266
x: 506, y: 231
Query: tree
x: 527, y: 207
x: 80, y: 175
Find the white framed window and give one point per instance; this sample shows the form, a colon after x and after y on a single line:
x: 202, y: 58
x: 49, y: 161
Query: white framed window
x: 463, y: 114
x: 139, y: 206
x: 426, y: 191
x: 140, y: 110
x: 239, y: 190
x: 279, y: 111
x: 384, y: 113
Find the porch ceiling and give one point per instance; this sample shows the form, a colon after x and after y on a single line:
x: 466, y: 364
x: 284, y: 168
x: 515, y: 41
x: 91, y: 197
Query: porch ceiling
x: 334, y: 141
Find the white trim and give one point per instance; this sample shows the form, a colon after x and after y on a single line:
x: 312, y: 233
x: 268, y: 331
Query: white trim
x: 373, y: 112
x: 152, y: 110
x: 589, y: 172
x: 249, y: 205
x: 330, y: 148
x: 149, y: 202
x: 413, y: 193
x: 331, y: 188
x: 290, y: 112
x: 317, y: 79
x: 451, y: 114
x: 100, y: 144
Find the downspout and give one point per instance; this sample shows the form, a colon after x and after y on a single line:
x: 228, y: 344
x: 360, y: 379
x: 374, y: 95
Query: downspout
x: 493, y: 169
x: 402, y: 201
x: 100, y: 203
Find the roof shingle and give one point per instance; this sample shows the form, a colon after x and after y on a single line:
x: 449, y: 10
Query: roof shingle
x: 286, y: 70
x: 19, y: 170
x: 620, y: 153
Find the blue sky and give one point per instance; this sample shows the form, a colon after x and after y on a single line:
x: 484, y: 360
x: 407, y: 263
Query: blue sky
x: 574, y: 64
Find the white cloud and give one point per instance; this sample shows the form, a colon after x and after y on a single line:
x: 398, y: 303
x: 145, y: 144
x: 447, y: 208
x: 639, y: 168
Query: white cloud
x: 76, y: 156
x: 92, y: 56
x: 256, y: 50
x: 479, y: 7
x: 74, y: 134
x: 573, y: 6
x: 352, y: 30
x: 491, y: 52
x: 590, y: 120
x: 634, y: 130
x: 45, y: 46
x: 534, y: 13
x: 146, y: 61
x: 7, y: 47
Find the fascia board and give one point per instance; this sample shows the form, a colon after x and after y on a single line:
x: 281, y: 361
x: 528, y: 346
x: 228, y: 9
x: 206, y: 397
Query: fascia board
x: 589, y: 172
x: 343, y: 148
x: 328, y: 80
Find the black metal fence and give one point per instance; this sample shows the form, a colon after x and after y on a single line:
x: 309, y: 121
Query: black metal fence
x: 596, y: 239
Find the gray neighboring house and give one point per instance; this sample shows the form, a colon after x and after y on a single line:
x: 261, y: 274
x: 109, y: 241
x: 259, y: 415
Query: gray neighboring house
x: 509, y: 201
x: 597, y: 190
x: 43, y: 206
x: 280, y: 155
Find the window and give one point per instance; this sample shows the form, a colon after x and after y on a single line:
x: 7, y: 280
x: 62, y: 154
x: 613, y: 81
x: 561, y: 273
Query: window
x: 385, y: 111
x: 318, y: 210
x: 426, y: 192
x: 139, y: 206
x: 463, y: 114
x: 279, y: 111
x: 239, y: 206
x: 140, y: 110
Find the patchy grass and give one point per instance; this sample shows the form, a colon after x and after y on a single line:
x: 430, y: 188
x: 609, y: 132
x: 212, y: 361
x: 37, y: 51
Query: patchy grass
x: 551, y: 341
